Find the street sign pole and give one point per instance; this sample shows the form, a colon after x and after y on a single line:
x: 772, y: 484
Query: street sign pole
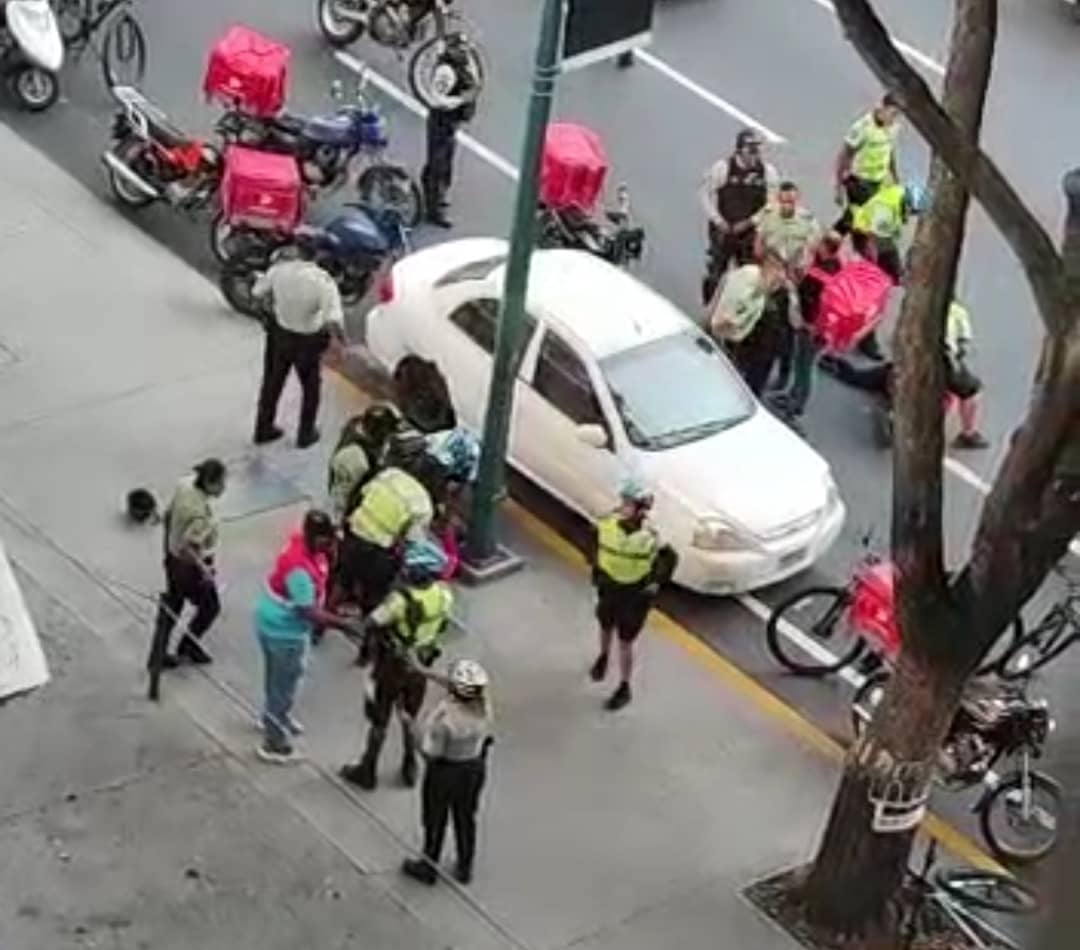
x: 481, y: 548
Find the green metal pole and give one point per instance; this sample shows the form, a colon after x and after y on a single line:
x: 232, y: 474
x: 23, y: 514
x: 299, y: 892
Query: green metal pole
x: 490, y: 477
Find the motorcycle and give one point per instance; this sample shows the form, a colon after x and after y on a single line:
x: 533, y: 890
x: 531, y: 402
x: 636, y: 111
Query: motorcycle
x: 330, y: 150
x: 610, y: 236
x: 353, y: 248
x: 400, y: 25
x: 996, y: 721
x: 150, y: 159
x: 31, y: 52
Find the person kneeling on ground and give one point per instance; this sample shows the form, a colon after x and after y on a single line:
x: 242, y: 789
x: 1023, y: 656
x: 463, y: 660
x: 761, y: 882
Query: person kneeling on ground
x: 629, y: 566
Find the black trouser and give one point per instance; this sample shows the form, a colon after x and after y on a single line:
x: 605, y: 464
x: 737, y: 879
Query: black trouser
x: 452, y: 789
x: 725, y: 248
x: 285, y: 351
x: 185, y: 583
x: 438, y: 171
x: 755, y: 355
x: 859, y: 191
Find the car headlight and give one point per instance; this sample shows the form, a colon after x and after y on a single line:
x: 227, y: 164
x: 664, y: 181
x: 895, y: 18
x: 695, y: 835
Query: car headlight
x: 715, y: 534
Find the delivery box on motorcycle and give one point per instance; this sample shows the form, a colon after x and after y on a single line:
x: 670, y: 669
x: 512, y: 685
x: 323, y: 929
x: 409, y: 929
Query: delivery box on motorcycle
x: 261, y: 189
x: 247, y: 71
x: 873, y: 608
x: 573, y: 167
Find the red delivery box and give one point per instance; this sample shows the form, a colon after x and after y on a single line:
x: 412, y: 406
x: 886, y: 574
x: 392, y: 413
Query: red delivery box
x: 261, y: 189
x: 572, y: 168
x: 247, y: 71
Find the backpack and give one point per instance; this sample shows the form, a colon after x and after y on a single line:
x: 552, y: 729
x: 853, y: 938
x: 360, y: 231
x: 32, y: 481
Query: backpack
x: 423, y: 395
x: 851, y: 304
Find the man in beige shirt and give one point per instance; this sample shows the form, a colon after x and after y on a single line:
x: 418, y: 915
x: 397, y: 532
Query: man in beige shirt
x: 307, y: 317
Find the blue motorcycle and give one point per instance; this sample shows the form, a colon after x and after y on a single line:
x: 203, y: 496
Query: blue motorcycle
x: 353, y: 247
x: 331, y: 150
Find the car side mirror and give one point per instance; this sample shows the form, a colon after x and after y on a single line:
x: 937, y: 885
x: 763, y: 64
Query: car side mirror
x: 593, y: 436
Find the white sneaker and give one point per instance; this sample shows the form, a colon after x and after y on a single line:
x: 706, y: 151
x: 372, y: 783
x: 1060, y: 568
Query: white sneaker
x: 277, y: 756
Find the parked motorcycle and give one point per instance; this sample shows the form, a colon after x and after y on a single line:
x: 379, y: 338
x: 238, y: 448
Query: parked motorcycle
x: 996, y: 722
x: 425, y: 25
x: 353, y: 247
x: 150, y: 159
x: 348, y: 144
x: 611, y: 235
x: 31, y: 52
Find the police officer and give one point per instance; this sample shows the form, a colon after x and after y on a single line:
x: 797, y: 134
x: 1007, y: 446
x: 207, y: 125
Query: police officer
x: 629, y: 566
x: 359, y: 456
x: 406, y: 627
x: 867, y: 159
x: 395, y: 504
x: 455, y: 86
x: 454, y: 742
x: 735, y: 189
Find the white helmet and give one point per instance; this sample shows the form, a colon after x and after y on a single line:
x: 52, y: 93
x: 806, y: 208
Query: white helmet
x: 467, y: 678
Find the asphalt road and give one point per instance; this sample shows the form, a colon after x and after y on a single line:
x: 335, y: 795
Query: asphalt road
x: 783, y: 64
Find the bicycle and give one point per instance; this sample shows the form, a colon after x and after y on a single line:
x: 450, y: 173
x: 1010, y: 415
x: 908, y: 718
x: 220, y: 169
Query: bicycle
x: 857, y: 621
x: 123, y: 46
x: 1058, y: 630
x: 933, y: 904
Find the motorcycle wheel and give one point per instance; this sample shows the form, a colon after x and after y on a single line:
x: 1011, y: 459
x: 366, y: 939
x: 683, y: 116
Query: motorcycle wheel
x: 220, y: 232
x: 866, y: 700
x: 35, y: 89
x: 337, y: 31
x: 123, y: 53
x: 830, y: 603
x: 353, y: 287
x: 1001, y: 813
x: 391, y: 187
x: 236, y: 283
x: 135, y: 154
x: 424, y: 61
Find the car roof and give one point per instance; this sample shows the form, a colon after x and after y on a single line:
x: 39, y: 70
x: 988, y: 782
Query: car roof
x: 605, y: 308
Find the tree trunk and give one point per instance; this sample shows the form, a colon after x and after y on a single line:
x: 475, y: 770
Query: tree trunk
x: 858, y: 870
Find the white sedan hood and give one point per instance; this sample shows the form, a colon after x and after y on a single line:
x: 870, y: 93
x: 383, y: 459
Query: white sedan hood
x: 758, y: 476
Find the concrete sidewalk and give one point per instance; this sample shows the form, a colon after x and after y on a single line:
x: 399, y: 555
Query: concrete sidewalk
x: 628, y: 831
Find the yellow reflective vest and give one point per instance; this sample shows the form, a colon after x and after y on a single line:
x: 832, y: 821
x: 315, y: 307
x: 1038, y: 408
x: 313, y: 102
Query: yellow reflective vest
x: 625, y: 557
x: 392, y: 503
x: 883, y: 215
x: 417, y: 615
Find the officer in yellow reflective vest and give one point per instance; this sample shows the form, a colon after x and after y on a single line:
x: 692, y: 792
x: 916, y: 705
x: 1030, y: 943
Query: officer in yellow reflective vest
x: 629, y: 566
x: 405, y: 629
x: 395, y: 504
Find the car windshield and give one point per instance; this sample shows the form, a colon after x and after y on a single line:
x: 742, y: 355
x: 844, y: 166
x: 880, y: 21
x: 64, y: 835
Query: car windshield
x: 675, y: 390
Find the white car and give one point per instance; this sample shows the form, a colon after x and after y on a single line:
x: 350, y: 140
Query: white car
x: 615, y: 380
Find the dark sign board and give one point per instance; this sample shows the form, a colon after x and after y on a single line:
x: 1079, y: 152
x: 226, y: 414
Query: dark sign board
x: 600, y: 29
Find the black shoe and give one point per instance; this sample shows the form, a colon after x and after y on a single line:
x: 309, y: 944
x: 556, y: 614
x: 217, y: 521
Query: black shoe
x: 420, y: 870
x: 191, y: 650
x: 305, y: 439
x: 266, y: 436
x: 618, y: 699
x: 463, y: 874
x: 599, y: 668
x: 439, y: 219
x: 870, y: 348
x: 361, y: 775
x: 624, y: 60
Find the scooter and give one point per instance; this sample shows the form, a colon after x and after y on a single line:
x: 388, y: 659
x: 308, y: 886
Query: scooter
x: 31, y: 52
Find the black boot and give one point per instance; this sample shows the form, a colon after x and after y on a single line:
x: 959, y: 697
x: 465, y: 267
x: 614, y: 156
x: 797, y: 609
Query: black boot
x: 190, y: 649
x: 408, y: 756
x: 619, y: 698
x: 364, y: 774
x: 420, y: 870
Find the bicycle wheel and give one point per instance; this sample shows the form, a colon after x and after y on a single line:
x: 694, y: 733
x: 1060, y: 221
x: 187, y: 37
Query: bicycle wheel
x: 1028, y: 654
x: 1002, y: 647
x: 986, y: 890
x: 123, y: 52
x: 391, y: 188
x: 809, y: 632
x: 1019, y: 828
x: 866, y: 700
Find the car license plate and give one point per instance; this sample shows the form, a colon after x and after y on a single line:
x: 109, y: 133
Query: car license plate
x: 792, y: 557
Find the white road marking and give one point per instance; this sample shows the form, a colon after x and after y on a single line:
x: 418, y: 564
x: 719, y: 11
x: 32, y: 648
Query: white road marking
x: 710, y: 97
x: 399, y: 95
x: 911, y: 52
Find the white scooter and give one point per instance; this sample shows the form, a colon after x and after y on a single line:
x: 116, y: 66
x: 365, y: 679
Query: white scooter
x: 31, y: 52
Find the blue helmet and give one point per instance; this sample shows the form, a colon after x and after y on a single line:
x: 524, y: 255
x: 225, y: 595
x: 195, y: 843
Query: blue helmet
x: 458, y: 451
x: 915, y: 197
x: 424, y: 559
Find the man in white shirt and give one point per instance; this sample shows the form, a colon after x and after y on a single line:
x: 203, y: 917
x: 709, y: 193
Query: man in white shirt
x: 307, y: 317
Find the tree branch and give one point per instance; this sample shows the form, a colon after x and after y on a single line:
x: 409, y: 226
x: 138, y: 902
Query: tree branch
x: 1027, y: 238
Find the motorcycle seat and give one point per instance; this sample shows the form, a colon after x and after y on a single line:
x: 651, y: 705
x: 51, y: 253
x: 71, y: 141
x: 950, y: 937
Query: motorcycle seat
x: 289, y: 124
x: 337, y: 130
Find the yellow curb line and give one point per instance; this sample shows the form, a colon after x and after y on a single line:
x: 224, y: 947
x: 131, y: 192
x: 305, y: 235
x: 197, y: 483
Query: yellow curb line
x: 953, y: 840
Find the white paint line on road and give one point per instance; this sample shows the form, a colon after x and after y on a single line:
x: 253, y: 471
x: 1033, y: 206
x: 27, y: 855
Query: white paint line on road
x: 384, y: 85
x: 710, y: 97
x: 911, y: 52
